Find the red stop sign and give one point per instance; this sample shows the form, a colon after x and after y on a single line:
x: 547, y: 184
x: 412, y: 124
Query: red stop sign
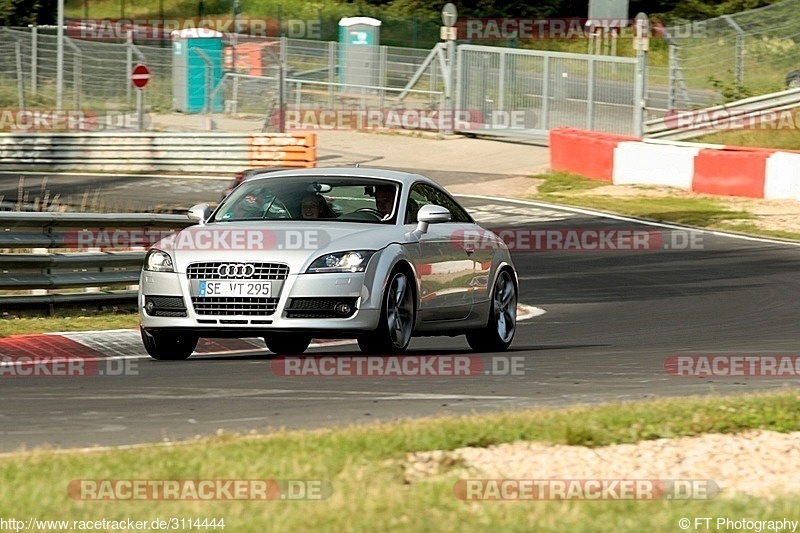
x: 140, y: 76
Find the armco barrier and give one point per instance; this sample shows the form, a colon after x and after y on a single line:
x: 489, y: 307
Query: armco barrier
x: 703, y: 168
x: 155, y: 152
x: 73, y: 267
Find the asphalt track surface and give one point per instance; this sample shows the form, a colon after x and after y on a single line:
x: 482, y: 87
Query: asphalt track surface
x: 612, y: 320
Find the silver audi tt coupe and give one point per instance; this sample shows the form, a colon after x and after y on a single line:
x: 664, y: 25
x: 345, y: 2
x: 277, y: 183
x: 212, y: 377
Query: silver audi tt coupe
x: 376, y: 255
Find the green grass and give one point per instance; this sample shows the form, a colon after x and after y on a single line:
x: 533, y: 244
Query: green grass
x: 565, y: 188
x: 364, y: 467
x: 786, y: 139
x: 67, y: 321
x: 558, y: 182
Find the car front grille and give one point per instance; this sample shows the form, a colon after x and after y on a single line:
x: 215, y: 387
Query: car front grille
x: 234, y: 305
x: 208, y: 270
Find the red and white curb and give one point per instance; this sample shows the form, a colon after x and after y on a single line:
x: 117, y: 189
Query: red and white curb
x: 127, y: 344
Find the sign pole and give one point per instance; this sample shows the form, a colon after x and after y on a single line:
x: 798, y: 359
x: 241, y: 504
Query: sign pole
x: 139, y: 109
x: 448, y: 34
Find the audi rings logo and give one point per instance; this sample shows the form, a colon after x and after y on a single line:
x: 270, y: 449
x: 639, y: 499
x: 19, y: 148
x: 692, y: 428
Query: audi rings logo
x: 236, y: 270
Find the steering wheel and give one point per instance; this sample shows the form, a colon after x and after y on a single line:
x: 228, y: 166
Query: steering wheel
x: 369, y: 210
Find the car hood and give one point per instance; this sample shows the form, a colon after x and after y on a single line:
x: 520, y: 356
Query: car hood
x: 296, y: 244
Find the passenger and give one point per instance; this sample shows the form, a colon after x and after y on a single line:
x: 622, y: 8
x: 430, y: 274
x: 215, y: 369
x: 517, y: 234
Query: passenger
x: 315, y: 206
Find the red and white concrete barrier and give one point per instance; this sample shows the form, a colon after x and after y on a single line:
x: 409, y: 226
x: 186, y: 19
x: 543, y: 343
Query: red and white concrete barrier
x: 703, y: 168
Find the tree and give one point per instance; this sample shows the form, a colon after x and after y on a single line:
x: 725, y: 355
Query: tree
x: 24, y: 12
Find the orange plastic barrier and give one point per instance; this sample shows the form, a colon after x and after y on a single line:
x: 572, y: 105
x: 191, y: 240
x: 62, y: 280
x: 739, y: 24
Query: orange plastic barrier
x: 283, y: 149
x: 731, y: 172
x: 587, y: 153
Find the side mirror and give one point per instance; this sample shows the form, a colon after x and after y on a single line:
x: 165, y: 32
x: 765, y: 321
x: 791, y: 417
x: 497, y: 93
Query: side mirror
x: 199, y: 213
x: 430, y: 214
x: 433, y: 214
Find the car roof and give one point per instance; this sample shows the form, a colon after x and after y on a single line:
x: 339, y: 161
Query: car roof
x: 405, y: 178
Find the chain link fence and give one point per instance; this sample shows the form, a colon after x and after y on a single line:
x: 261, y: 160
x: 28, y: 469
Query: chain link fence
x: 734, y: 56
x: 537, y: 91
x: 544, y: 89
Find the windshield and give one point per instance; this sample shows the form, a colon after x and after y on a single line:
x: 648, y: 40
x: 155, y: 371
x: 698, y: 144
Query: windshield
x: 347, y: 199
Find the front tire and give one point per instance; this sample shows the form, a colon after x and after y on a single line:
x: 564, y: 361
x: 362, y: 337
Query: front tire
x: 499, y: 332
x: 287, y: 343
x: 398, y: 313
x: 166, y: 347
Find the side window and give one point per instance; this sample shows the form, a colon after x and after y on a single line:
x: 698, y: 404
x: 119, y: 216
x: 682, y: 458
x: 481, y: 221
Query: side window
x: 416, y: 199
x: 423, y: 194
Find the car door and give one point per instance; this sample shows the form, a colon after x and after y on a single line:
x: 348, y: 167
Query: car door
x: 444, y: 267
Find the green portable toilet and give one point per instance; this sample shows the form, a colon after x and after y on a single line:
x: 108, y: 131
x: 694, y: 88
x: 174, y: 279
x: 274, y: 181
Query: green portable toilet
x: 359, y: 60
x: 192, y: 79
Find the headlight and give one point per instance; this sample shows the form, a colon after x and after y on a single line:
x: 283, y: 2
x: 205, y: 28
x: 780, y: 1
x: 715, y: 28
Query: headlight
x: 355, y: 261
x: 158, y: 261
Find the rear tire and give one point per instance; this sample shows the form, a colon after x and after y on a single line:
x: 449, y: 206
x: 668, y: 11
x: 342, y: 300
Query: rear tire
x: 398, y: 313
x: 168, y: 347
x: 499, y: 332
x: 287, y: 343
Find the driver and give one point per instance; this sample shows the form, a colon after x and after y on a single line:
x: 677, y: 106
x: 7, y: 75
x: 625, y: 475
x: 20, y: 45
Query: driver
x: 384, y: 199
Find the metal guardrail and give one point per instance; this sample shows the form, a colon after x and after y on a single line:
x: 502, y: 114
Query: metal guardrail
x: 155, y: 152
x: 70, y: 262
x: 722, y: 117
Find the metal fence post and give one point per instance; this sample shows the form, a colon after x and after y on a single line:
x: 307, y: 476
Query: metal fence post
x: 545, y: 92
x: 281, y: 88
x: 60, y: 57
x: 76, y: 82
x: 128, y: 66
x: 739, y: 47
x: 459, y: 78
x: 332, y: 74
x: 672, y: 74
x: 451, y: 66
x: 382, y: 77
x: 501, y: 91
x: 34, y: 58
x: 590, y: 95
x: 20, y: 80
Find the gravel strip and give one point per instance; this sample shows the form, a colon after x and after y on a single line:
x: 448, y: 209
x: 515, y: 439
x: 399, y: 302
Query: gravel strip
x: 756, y: 463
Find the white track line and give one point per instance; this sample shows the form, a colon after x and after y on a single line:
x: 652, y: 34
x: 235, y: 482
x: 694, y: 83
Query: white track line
x: 624, y: 218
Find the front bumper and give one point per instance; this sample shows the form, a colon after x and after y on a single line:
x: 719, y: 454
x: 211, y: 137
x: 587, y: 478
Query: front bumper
x: 348, y: 287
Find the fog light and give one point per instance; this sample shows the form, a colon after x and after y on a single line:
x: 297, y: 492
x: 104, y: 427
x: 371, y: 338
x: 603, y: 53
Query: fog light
x: 149, y: 306
x: 342, y: 309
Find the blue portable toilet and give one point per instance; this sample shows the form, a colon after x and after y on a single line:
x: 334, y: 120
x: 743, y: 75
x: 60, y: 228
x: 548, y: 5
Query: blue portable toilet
x: 193, y: 77
x: 359, y: 58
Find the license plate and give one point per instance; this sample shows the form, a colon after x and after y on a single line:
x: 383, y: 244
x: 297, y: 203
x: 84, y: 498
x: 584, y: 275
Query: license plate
x: 235, y: 288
